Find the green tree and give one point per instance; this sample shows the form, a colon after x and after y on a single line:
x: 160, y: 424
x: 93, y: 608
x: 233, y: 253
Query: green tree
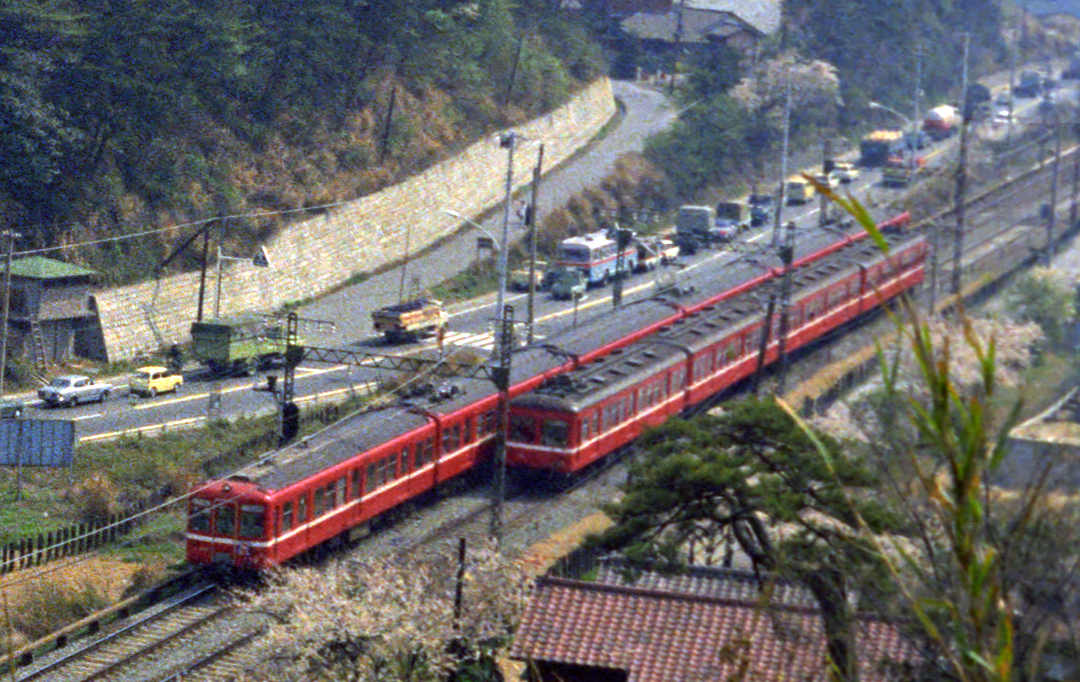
x: 1042, y: 296
x: 753, y: 476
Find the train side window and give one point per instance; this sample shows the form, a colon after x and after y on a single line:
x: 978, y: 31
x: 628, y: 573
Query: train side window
x: 302, y: 510
x: 586, y: 428
x: 678, y: 378
x: 468, y: 434
x: 252, y: 520
x: 319, y: 507
x: 356, y: 486
x: 554, y: 433
x: 489, y: 422
x: 225, y: 520
x: 331, y: 497
x: 522, y: 429
x: 425, y: 452
x: 451, y: 439
x: 342, y: 489
x: 199, y: 516
x: 286, y: 517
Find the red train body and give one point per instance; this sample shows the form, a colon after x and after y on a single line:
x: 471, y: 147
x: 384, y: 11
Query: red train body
x: 582, y: 415
x: 335, y: 484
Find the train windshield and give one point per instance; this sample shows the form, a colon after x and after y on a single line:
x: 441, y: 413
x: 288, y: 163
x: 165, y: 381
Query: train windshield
x: 199, y: 516
x: 251, y: 520
x: 522, y: 429
x: 225, y: 520
x: 554, y: 432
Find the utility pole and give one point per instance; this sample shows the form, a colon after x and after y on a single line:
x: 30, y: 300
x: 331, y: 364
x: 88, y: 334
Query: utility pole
x: 530, y: 225
x: 1053, y: 195
x: 502, y: 383
x: 1012, y: 84
x: 783, y: 165
x: 961, y: 175
x: 787, y: 257
x: 11, y: 237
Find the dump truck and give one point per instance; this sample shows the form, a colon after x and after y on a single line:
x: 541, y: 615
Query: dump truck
x: 409, y: 321
x: 239, y: 345
x: 876, y: 148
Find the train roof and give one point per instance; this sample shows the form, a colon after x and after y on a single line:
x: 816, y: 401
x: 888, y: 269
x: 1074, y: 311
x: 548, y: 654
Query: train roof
x: 610, y: 375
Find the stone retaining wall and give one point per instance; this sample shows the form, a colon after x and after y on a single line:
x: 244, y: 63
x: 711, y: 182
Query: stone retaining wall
x: 313, y: 256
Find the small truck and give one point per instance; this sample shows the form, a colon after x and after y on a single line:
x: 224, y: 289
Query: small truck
x: 654, y: 251
x: 409, y: 321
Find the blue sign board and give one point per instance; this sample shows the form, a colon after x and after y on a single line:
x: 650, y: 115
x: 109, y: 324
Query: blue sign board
x: 37, y: 442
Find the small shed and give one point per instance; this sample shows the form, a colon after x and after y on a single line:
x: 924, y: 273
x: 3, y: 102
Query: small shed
x: 52, y: 315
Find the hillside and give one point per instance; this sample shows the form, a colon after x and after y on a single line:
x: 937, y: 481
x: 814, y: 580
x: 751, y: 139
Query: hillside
x: 122, y: 116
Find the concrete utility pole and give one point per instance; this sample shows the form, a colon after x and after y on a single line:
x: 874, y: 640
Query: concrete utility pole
x: 530, y: 225
x: 961, y: 176
x: 1053, y: 195
x: 782, y: 198
x: 787, y: 257
x: 11, y: 237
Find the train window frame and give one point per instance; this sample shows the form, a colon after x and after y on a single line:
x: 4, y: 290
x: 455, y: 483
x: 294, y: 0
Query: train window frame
x: 487, y: 424
x: 318, y: 503
x: 285, y: 523
x: 218, y: 516
x: 522, y: 428
x: 249, y: 513
x: 203, y: 513
x: 451, y: 440
x: 424, y: 453
x: 560, y: 438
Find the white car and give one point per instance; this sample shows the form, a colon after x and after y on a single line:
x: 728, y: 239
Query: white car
x: 71, y: 389
x: 845, y: 171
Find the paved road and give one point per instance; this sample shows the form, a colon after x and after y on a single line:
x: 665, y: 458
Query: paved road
x: 646, y: 112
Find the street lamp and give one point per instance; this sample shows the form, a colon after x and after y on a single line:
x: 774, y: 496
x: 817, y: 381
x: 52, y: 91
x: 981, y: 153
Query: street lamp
x: 494, y: 242
x: 259, y: 260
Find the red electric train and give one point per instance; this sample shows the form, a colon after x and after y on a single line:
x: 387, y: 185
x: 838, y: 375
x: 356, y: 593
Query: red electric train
x: 335, y: 484
x: 575, y: 418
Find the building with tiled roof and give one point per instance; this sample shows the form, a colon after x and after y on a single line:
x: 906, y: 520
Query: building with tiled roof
x: 576, y: 631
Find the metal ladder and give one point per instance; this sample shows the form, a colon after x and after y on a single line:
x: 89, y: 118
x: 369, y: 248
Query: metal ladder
x: 38, y: 346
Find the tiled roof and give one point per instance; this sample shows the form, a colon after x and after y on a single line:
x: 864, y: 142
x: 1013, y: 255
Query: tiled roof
x: 659, y: 636
x: 708, y: 581
x: 39, y: 267
x: 764, y: 15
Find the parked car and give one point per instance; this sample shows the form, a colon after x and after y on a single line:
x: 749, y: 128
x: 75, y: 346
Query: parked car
x: 11, y: 409
x: 568, y: 284
x: 519, y: 278
x: 149, y: 381
x: 71, y: 389
x: 761, y: 209
x: 845, y: 171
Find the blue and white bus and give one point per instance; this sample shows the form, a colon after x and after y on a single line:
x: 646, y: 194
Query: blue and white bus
x: 596, y: 255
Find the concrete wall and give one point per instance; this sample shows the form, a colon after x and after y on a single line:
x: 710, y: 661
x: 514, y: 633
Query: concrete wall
x: 311, y: 257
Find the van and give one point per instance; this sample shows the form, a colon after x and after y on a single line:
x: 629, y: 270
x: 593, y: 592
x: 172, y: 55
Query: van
x: 799, y: 190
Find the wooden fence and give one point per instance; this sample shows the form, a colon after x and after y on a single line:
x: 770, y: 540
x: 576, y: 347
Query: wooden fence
x: 65, y: 542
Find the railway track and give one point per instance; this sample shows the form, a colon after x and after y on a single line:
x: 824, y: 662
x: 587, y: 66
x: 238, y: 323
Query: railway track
x: 190, y: 635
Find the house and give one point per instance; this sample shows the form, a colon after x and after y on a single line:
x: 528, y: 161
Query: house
x: 51, y: 313
x: 740, y: 24
x: 705, y: 625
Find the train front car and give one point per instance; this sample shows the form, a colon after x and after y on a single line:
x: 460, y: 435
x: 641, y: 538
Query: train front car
x: 577, y: 418
x: 229, y: 525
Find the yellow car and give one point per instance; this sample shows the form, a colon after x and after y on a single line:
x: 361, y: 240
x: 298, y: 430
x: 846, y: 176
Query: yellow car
x: 149, y: 381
